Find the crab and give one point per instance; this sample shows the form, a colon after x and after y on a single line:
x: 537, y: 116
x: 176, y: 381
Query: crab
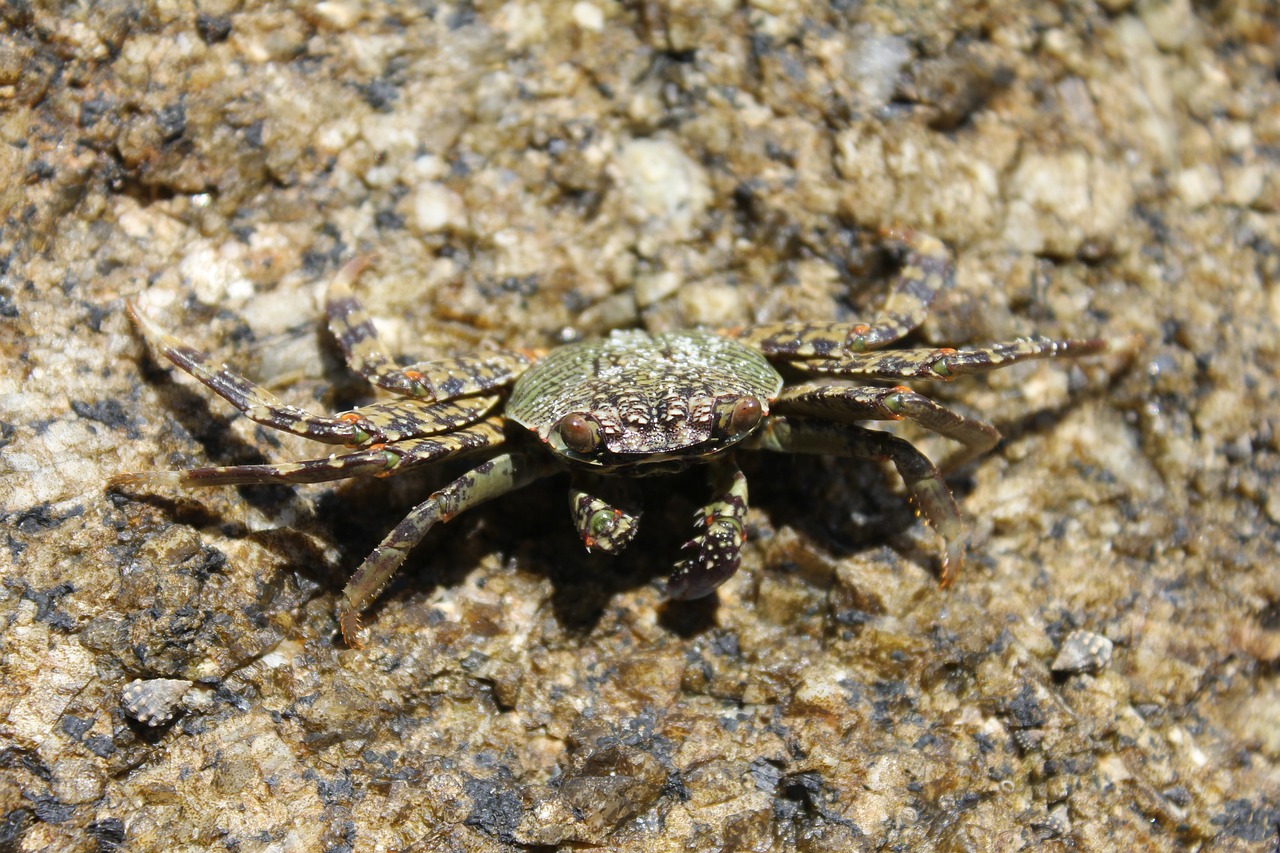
x: 630, y: 405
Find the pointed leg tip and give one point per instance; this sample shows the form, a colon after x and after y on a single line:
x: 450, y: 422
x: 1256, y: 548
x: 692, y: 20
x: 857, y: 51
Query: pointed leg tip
x: 126, y: 479
x: 145, y: 478
x: 952, y: 562
x: 349, y: 624
x: 352, y: 269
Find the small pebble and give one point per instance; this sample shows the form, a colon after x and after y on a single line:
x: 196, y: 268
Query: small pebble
x: 154, y: 701
x: 1058, y: 822
x: 1082, y: 651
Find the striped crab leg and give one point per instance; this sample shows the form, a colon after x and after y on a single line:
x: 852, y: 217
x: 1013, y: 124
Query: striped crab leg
x: 386, y: 421
x: 869, y: 402
x: 925, y: 271
x: 924, y: 482
x: 441, y: 379
x: 488, y: 480
x: 378, y: 460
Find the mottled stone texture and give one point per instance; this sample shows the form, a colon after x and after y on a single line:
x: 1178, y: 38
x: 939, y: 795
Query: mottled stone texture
x: 530, y: 172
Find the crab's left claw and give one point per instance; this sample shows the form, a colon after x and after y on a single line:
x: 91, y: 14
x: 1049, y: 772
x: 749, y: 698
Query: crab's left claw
x: 605, y: 512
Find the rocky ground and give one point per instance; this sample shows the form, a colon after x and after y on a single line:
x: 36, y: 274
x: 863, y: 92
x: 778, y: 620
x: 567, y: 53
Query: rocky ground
x: 1104, y: 675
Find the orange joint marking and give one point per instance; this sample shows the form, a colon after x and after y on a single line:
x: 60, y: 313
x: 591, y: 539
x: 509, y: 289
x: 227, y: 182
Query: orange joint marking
x: 856, y: 340
x: 941, y: 359
x: 386, y: 472
x: 419, y: 379
x: 901, y: 389
x: 356, y: 421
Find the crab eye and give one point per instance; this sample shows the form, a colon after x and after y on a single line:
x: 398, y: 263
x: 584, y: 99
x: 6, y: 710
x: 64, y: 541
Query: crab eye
x: 580, y: 433
x: 743, y: 417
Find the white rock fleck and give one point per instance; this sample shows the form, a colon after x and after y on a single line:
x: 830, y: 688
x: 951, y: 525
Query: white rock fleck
x: 666, y: 190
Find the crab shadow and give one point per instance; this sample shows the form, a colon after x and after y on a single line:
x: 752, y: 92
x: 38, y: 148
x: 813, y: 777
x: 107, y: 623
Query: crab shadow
x: 841, y: 509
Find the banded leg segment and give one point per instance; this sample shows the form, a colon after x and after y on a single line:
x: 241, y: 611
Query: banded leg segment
x: 868, y: 402
x: 390, y: 420
x: 926, y: 270
x: 924, y: 483
x: 257, y: 404
x: 947, y: 363
x: 443, y: 379
x: 488, y: 480
x: 376, y: 461
x: 397, y: 420
x: 721, y: 527
x: 605, y: 510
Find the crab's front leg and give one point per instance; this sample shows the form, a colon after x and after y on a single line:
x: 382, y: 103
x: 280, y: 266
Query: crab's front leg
x: 721, y: 533
x: 497, y: 476
x: 605, y: 511
x: 928, y: 490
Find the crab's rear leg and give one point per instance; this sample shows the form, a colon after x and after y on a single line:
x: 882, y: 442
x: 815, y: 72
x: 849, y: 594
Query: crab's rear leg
x: 925, y: 484
x: 605, y: 511
x: 867, y: 402
x: 488, y: 480
x: 721, y: 526
x: 925, y: 271
x: 432, y: 380
x: 380, y: 460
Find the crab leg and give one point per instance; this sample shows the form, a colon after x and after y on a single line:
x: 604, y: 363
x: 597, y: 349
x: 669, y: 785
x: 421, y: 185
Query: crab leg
x: 866, y: 402
x: 721, y: 534
x: 928, y: 490
x: 947, y: 363
x: 391, y: 420
x: 488, y: 480
x: 604, y: 525
x: 258, y: 404
x: 432, y: 380
x: 926, y: 270
x: 397, y: 420
x: 377, y: 461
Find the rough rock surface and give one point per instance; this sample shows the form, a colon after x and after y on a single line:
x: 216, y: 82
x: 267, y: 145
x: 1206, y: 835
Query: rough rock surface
x: 531, y: 172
